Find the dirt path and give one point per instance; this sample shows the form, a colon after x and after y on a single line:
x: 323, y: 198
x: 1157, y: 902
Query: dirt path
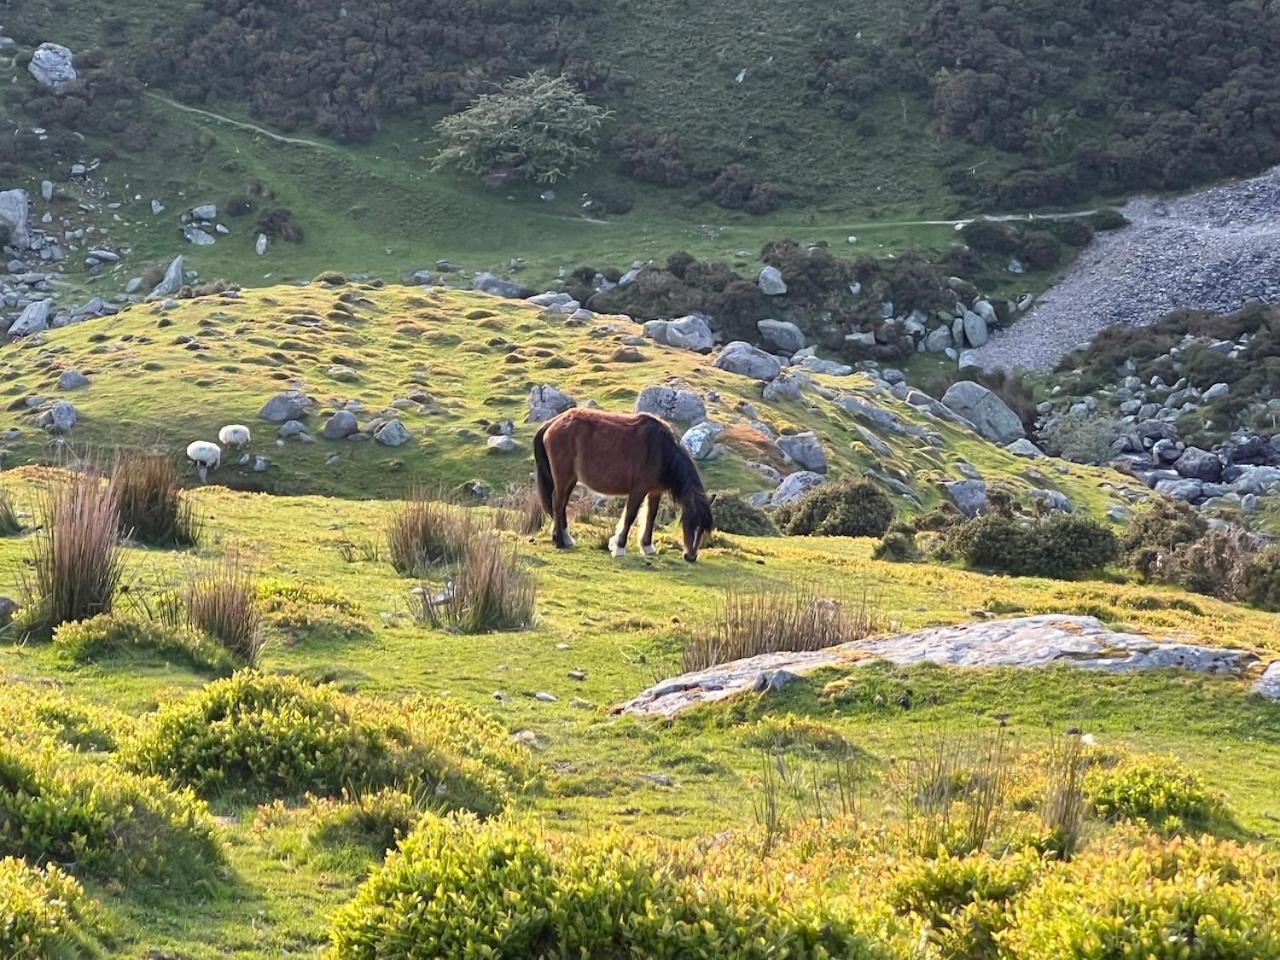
x: 263, y: 131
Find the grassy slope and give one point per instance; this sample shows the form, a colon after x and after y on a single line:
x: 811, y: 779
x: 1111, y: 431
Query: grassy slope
x: 618, y: 619
x: 476, y: 355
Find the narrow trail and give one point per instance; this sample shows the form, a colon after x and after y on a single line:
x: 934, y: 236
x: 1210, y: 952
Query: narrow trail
x: 263, y: 131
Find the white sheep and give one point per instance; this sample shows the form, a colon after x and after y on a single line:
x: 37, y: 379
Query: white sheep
x: 234, y: 435
x: 206, y: 456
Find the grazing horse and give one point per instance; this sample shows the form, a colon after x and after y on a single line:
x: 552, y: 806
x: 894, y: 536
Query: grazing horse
x: 620, y: 455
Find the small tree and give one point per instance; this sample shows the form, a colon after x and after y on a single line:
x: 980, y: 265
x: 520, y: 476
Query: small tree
x: 537, y: 127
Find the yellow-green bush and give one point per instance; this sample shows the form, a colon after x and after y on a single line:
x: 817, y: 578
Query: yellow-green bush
x: 301, y: 611
x: 30, y: 713
x: 108, y: 823
x: 1182, y: 900
x: 458, y: 888
x: 44, y: 914
x: 789, y: 732
x: 280, y: 735
x: 113, y: 633
x: 1156, y: 792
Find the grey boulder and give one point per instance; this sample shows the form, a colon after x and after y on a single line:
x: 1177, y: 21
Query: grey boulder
x: 969, y: 496
x: 1197, y: 464
x: 671, y: 403
x: 783, y: 335
x: 393, y: 433
x: 15, y: 213
x: 52, y: 66
x: 546, y: 402
x: 488, y: 283
x: 805, y: 449
x: 795, y: 486
x: 340, y: 426
x: 283, y: 407
x: 700, y: 440
x: 771, y: 283
x: 990, y: 415
x: 34, y: 318
x: 742, y: 358
x: 689, y: 333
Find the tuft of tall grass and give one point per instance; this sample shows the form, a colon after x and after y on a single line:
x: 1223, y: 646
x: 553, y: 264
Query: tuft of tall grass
x: 77, y: 564
x: 521, y: 510
x: 10, y: 525
x: 423, y: 532
x: 488, y: 591
x: 152, y: 506
x: 1063, y: 810
x: 794, y: 617
x: 222, y: 603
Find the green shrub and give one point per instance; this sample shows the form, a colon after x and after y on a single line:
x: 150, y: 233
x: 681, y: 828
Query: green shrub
x: 1196, y: 900
x: 44, y: 914
x: 299, y: 611
x: 734, y: 515
x: 31, y: 713
x: 108, y: 823
x: 850, y: 508
x: 1153, y: 535
x: 280, y: 735
x: 457, y: 888
x: 790, y: 732
x: 1260, y: 583
x: 111, y: 634
x: 989, y: 236
x: 1156, y: 792
x: 378, y: 819
x: 897, y: 546
x: 1062, y: 546
x: 538, y: 128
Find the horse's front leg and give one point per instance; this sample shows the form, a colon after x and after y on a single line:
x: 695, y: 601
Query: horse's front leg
x: 618, y: 542
x: 650, y: 518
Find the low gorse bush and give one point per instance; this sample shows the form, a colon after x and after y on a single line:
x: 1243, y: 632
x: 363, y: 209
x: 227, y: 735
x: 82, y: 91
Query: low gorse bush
x: 849, y: 508
x: 107, y: 822
x: 1156, y: 792
x: 734, y: 515
x: 457, y: 887
x: 39, y: 716
x: 112, y: 634
x: 44, y: 913
x: 1062, y: 546
x: 300, y: 612
x: 275, y: 736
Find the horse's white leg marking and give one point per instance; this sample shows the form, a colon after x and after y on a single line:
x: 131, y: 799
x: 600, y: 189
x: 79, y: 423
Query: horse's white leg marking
x: 642, y: 518
x: 614, y: 549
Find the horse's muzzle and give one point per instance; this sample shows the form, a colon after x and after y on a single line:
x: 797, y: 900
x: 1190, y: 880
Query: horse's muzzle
x: 690, y: 559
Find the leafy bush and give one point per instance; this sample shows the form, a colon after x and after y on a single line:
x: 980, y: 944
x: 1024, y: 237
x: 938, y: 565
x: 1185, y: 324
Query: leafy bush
x: 734, y: 515
x: 32, y: 714
x: 1158, y: 792
x: 1260, y: 582
x: 1081, y: 437
x: 459, y: 888
x: 310, y: 611
x: 1191, y: 900
x: 221, y: 603
x: 897, y: 546
x: 538, y: 128
x: 1062, y: 546
x: 1108, y: 219
x: 1214, y: 564
x: 110, y: 824
x: 268, y: 735
x: 850, y: 508
x: 44, y: 914
x: 989, y: 236
x: 151, y: 505
x: 378, y: 818
x: 1152, y: 536
x: 76, y: 564
x: 488, y: 591
x: 110, y: 634
x: 795, y: 617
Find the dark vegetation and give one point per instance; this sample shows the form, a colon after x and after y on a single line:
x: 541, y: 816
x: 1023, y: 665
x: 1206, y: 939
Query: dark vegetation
x: 850, y: 508
x: 149, y: 500
x: 1090, y: 98
x: 826, y: 296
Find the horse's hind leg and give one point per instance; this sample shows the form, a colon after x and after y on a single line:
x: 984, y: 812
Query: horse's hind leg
x: 618, y: 542
x: 560, y: 501
x: 650, y: 517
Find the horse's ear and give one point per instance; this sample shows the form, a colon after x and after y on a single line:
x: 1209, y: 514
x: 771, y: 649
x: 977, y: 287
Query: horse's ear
x: 711, y: 500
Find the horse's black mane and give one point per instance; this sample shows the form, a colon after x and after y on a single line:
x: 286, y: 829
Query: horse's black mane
x: 679, y: 474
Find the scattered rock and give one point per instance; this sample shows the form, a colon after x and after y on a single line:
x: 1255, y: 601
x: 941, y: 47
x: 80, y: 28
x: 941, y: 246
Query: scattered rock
x: 546, y: 402
x: 970, y: 496
x: 172, y: 281
x: 742, y: 358
x: 502, y: 444
x: 284, y: 406
x: 689, y: 333
x: 783, y: 335
x: 488, y: 283
x: 72, y: 380
x: 795, y: 486
x: 771, y: 283
x: 15, y: 213
x: 339, y: 426
x: 805, y: 449
x: 53, y: 67
x: 33, y: 319
x: 700, y: 440
x: 393, y: 433
x: 990, y: 415
x: 1267, y: 686
x: 671, y: 403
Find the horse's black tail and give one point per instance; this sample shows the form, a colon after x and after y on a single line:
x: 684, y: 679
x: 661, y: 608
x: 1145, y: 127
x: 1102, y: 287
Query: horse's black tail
x: 546, y: 484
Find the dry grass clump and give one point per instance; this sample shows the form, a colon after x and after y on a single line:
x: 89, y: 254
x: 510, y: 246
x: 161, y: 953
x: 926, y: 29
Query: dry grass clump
x: 152, y: 506
x: 77, y: 564
x: 794, y: 617
x: 489, y: 590
x: 424, y: 532
x: 222, y: 603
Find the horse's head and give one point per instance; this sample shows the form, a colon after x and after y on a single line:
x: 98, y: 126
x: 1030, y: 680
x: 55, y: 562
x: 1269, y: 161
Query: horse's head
x: 697, y: 521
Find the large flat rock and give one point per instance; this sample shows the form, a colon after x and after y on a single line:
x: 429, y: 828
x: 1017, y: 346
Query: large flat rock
x: 1028, y: 642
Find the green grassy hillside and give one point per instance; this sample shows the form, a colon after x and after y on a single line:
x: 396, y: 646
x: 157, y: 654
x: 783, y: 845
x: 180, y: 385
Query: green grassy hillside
x: 449, y: 365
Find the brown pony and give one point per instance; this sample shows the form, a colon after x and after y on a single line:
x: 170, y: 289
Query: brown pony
x: 620, y: 455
